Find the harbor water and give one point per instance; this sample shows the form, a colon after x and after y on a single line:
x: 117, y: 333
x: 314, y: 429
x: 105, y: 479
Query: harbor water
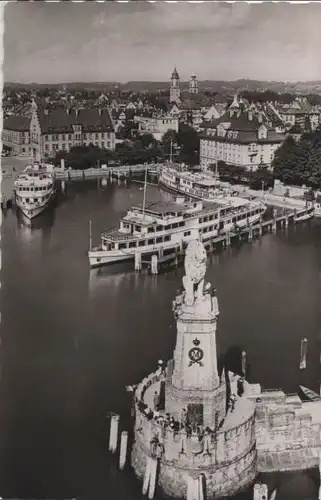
x: 72, y: 338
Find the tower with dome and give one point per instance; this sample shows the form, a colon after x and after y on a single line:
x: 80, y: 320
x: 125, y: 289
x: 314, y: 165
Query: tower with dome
x: 175, y: 91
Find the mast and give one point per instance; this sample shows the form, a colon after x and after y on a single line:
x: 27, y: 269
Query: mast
x: 171, y: 153
x: 90, y: 236
x: 145, y: 186
x: 216, y: 170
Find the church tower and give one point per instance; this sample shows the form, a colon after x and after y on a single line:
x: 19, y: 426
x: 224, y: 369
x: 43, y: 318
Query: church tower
x: 175, y: 91
x: 193, y: 85
x: 195, y: 387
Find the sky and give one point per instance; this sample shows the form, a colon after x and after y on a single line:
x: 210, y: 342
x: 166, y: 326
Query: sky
x: 69, y: 42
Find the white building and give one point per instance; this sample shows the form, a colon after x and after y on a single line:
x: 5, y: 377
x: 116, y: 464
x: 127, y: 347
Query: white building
x: 239, y: 137
x: 157, y: 126
x: 61, y: 129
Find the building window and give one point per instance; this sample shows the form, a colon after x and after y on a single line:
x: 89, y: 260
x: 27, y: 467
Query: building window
x: 69, y: 137
x: 102, y: 144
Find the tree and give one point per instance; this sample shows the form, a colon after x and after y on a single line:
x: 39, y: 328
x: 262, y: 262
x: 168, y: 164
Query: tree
x: 84, y: 157
x: 169, y: 139
x: 189, y: 143
x: 282, y: 163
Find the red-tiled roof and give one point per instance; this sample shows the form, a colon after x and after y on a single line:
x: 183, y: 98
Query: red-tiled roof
x: 59, y: 121
x: 17, y: 123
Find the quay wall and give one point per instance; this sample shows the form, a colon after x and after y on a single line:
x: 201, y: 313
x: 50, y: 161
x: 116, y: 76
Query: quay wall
x: 287, y: 436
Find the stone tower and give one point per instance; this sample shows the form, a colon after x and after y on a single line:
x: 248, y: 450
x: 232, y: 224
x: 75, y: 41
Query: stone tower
x: 195, y: 387
x: 175, y: 91
x: 191, y: 427
x: 193, y: 85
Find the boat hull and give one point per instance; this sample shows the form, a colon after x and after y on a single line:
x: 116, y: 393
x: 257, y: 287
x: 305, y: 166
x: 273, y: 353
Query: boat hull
x: 31, y: 212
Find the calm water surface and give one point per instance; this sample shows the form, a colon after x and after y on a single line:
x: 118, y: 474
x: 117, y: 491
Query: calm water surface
x: 72, y: 338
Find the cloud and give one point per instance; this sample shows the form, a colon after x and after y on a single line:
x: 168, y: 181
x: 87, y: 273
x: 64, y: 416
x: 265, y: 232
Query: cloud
x: 138, y: 40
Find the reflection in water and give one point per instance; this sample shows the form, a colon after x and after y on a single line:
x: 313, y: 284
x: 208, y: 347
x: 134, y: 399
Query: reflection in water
x: 38, y: 228
x: 73, y: 338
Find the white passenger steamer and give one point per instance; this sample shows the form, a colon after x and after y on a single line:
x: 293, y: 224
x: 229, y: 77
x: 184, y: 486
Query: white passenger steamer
x: 163, y: 227
x: 200, y: 185
x: 34, y: 189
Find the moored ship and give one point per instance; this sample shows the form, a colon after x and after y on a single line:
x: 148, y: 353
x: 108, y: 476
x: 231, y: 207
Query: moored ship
x: 34, y: 189
x: 163, y: 227
x: 200, y: 185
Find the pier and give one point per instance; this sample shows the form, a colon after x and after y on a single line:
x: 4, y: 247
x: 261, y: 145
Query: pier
x: 158, y: 259
x: 119, y: 172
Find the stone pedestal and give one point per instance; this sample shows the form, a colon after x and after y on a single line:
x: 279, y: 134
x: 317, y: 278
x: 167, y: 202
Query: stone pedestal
x: 195, y: 382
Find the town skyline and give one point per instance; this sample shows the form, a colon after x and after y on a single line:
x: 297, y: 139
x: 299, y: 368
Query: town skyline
x: 122, y: 42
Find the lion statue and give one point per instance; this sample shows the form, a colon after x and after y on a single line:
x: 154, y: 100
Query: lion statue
x: 195, y: 269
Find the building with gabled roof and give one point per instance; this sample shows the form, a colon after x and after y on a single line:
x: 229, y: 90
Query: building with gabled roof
x: 63, y: 128
x: 240, y: 137
x: 297, y: 112
x: 15, y: 134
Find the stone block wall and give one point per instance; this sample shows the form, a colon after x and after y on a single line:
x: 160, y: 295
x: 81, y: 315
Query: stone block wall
x: 220, y: 481
x: 214, y: 403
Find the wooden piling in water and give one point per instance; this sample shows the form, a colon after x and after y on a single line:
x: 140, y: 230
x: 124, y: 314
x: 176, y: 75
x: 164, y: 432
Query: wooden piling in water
x: 243, y: 363
x: 303, y: 356
x: 123, y: 449
x: 113, y: 437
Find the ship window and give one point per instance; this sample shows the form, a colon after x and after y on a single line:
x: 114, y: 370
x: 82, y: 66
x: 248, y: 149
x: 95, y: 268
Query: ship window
x: 159, y: 239
x: 211, y: 217
x: 174, y: 225
x: 205, y: 229
x: 200, y: 220
x: 132, y: 244
x: 27, y: 200
x: 151, y: 242
x: 150, y: 229
x: 187, y: 233
x: 182, y: 223
x: 166, y: 228
x: 167, y: 237
x: 137, y: 228
x: 159, y: 228
x: 122, y: 245
x: 205, y: 219
x: 141, y: 243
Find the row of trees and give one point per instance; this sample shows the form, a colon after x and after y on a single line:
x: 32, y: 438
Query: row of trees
x: 299, y: 162
x: 145, y: 148
x: 239, y: 175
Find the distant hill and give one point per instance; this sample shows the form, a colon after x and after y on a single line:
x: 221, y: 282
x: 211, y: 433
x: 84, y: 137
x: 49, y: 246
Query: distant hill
x: 220, y: 86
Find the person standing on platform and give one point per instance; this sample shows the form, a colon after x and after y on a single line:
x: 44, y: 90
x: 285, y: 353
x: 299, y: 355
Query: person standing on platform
x: 156, y: 401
